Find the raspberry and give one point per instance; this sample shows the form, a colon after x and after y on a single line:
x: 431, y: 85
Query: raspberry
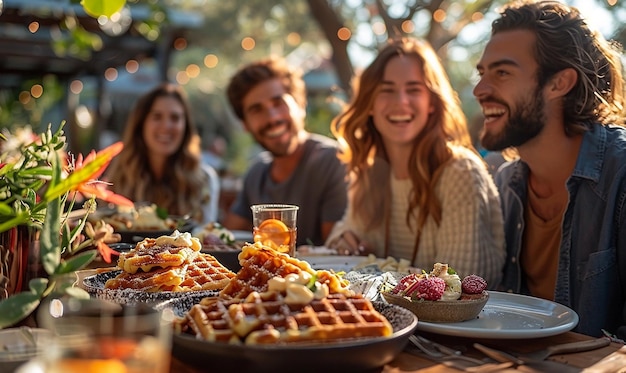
x: 404, y: 283
x: 430, y: 288
x: 473, y: 284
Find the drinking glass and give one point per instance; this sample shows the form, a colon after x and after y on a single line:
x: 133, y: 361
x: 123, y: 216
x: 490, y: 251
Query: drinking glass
x: 93, y: 335
x: 274, y: 225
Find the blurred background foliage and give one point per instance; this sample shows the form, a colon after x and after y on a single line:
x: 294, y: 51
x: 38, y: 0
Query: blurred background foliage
x: 330, y: 40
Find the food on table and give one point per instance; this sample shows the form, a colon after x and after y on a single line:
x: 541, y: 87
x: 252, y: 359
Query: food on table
x: 442, y: 283
x: 441, y: 295
x: 473, y: 284
x: 288, y: 312
x: 213, y: 236
x: 260, y: 263
x: 142, y: 218
x: 165, y: 251
x: 389, y: 264
x: 169, y: 263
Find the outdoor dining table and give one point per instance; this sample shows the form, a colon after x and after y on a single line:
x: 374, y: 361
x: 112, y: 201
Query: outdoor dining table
x: 611, y: 358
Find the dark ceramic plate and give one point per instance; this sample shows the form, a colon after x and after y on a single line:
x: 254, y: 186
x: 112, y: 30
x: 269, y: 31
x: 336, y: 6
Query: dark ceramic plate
x: 348, y: 356
x: 94, y: 285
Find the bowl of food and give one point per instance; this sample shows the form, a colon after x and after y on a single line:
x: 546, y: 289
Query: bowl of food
x: 440, y: 296
x: 142, y: 221
x: 467, y: 307
x: 221, y: 243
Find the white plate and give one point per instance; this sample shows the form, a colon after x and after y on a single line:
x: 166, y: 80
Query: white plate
x: 511, y: 316
x: 334, y: 262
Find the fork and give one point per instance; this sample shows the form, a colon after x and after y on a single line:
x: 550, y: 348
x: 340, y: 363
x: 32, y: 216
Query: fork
x: 439, y: 351
x: 454, y: 358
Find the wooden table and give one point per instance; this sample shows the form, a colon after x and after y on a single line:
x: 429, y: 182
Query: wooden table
x: 589, y: 361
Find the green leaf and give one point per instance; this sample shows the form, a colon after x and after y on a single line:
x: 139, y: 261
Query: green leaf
x: 77, y: 262
x: 161, y: 212
x: 17, y: 308
x: 50, y: 249
x: 38, y: 285
x: 97, y: 8
x: 76, y: 292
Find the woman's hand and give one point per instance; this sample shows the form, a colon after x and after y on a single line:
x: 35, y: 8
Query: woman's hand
x: 348, y: 243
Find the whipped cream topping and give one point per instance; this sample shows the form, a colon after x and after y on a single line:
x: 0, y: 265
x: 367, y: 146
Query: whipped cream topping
x: 179, y: 239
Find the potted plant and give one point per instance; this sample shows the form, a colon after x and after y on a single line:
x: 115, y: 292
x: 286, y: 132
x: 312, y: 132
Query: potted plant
x: 40, y: 182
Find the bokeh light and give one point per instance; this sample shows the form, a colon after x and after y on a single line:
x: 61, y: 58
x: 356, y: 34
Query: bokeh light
x: 180, y: 44
x: 33, y: 27
x: 439, y: 15
x: 36, y: 90
x: 132, y: 66
x: 344, y: 33
x: 76, y: 87
x: 193, y: 70
x: 210, y: 61
x: 110, y: 74
x: 248, y: 43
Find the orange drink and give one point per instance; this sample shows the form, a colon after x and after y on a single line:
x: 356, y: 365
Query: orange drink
x: 275, y: 226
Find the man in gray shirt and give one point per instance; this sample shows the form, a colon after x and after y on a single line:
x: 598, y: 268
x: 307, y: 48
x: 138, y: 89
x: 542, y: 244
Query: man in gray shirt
x: 297, y: 167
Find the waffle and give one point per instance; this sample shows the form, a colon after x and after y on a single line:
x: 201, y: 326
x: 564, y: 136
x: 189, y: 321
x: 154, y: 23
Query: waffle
x: 206, y: 273
x: 260, y: 263
x: 163, y: 252
x: 203, y: 273
x: 160, y: 279
x: 265, y: 318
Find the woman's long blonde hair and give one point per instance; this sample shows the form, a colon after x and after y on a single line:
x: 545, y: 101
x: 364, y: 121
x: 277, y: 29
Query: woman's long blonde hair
x: 362, y: 146
x: 184, y: 185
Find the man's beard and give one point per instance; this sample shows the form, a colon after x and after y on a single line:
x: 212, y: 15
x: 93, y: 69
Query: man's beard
x: 524, y: 124
x: 278, y: 149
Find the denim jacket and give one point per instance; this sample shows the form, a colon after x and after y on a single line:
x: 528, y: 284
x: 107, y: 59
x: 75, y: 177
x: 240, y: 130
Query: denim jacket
x: 591, y: 276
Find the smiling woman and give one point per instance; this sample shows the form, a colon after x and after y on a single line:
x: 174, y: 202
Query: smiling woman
x: 161, y: 162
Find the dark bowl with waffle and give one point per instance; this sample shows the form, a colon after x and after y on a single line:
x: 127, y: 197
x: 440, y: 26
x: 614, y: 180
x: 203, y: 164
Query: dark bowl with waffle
x: 252, y: 326
x: 348, y: 355
x: 158, y: 269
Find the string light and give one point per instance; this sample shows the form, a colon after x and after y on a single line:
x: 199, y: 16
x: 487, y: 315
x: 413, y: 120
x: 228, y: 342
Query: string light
x: 248, y: 43
x: 33, y: 27
x: 210, y: 61
x: 132, y: 66
x: 344, y: 33
x: 76, y: 87
x: 110, y: 74
x: 36, y: 90
x: 439, y: 15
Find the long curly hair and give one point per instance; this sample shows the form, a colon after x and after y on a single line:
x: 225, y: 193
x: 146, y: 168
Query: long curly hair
x: 564, y: 40
x: 362, y: 147
x: 184, y: 185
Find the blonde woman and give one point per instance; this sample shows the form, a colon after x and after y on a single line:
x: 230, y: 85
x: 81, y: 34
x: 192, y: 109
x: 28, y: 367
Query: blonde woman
x: 160, y: 162
x: 418, y: 190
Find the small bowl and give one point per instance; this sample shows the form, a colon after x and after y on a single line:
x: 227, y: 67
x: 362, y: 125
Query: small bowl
x: 466, y: 308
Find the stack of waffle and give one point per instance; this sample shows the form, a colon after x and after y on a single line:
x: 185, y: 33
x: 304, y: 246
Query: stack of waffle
x: 169, y: 263
x: 252, y: 309
x: 260, y: 263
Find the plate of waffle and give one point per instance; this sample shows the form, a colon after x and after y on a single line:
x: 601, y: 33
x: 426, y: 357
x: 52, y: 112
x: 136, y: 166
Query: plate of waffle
x: 158, y: 269
x: 278, y: 313
x: 342, y: 352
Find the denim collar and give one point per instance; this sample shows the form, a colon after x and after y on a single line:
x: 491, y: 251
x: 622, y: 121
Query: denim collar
x: 591, y: 154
